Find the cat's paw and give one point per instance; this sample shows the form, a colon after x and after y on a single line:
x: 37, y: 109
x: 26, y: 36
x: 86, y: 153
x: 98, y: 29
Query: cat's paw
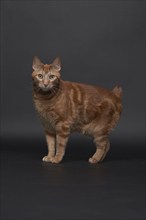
x: 47, y: 159
x: 56, y: 160
x: 93, y: 160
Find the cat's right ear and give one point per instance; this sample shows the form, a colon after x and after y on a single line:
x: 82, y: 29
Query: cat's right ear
x: 36, y: 65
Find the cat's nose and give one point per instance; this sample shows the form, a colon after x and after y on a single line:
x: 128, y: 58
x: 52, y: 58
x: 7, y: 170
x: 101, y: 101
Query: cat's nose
x: 45, y: 83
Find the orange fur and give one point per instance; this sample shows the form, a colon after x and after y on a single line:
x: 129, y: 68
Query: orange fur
x: 74, y: 107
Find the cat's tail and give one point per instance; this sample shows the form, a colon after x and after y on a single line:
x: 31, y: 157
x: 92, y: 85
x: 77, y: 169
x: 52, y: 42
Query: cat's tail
x: 117, y: 90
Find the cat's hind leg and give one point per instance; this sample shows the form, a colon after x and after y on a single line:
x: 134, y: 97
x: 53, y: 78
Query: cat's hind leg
x: 102, y: 147
x: 50, y: 138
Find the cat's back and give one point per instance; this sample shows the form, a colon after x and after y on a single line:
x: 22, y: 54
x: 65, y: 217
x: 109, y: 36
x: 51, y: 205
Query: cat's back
x: 87, y: 99
x: 80, y: 92
x: 91, y: 105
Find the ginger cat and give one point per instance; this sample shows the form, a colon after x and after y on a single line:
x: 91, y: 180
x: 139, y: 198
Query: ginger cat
x: 65, y: 107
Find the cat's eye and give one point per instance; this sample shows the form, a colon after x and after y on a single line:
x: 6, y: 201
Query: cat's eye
x: 51, y: 76
x: 40, y: 76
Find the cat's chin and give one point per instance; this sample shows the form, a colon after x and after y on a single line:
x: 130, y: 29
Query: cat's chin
x: 45, y: 89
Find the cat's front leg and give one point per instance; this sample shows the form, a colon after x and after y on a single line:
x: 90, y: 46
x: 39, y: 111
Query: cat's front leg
x: 50, y: 138
x: 61, y: 141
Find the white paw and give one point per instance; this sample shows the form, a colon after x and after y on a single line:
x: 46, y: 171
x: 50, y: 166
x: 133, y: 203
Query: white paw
x: 47, y: 159
x: 92, y: 160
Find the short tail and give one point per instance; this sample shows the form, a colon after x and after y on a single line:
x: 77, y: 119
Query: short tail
x: 117, y: 90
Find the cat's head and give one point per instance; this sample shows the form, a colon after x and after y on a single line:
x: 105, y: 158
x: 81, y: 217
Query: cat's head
x: 46, y: 77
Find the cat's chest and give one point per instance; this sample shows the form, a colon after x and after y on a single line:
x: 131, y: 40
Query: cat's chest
x: 47, y: 115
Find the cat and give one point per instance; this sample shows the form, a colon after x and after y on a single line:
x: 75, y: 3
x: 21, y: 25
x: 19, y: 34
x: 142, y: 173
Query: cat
x: 65, y: 107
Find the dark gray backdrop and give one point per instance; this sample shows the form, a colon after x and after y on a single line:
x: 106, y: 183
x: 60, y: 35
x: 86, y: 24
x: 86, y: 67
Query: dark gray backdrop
x: 99, y: 42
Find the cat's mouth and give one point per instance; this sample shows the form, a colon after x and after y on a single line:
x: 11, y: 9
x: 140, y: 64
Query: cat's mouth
x: 45, y: 88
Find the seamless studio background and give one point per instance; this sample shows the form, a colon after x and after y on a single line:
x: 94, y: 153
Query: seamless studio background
x: 100, y: 43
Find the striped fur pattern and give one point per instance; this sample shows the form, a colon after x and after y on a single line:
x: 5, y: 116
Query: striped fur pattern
x: 65, y: 107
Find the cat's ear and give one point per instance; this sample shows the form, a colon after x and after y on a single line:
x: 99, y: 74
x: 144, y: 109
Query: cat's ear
x: 36, y: 65
x: 57, y: 64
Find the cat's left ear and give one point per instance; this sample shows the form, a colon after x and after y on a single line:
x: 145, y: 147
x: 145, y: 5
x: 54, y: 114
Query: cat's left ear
x: 57, y: 64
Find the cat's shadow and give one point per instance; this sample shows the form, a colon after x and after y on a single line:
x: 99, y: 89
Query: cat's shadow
x: 83, y: 149
x: 77, y: 149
